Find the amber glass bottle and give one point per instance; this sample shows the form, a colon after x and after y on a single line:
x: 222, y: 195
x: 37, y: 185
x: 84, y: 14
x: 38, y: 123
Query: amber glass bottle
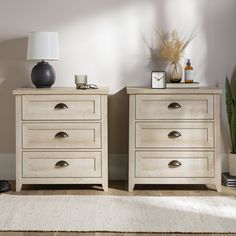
x: 188, y: 72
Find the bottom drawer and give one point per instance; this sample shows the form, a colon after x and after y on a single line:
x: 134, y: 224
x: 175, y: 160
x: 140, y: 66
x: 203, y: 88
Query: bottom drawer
x: 61, y: 164
x: 151, y: 164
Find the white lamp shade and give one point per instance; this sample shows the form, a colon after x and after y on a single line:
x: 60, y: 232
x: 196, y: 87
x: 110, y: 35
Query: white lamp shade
x: 43, y: 46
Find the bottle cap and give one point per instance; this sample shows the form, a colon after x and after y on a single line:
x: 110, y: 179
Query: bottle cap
x: 188, y: 62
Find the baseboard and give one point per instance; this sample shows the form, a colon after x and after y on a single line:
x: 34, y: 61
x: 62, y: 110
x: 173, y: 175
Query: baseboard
x: 117, y: 166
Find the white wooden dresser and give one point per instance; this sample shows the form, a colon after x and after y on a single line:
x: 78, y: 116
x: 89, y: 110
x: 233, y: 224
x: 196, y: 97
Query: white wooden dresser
x: 174, y: 136
x: 61, y: 136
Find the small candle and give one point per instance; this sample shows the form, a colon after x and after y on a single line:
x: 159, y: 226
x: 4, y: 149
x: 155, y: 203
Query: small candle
x: 81, y: 79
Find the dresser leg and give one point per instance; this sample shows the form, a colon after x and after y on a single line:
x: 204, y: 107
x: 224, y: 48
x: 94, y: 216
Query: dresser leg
x: 105, y: 186
x: 131, y: 186
x: 218, y: 187
x: 18, y: 186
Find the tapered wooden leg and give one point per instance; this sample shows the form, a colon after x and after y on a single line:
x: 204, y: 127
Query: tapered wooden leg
x: 105, y: 186
x: 131, y: 186
x: 18, y: 186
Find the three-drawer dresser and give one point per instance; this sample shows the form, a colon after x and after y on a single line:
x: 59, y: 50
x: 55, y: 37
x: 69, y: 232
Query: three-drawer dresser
x: 174, y: 136
x: 61, y: 136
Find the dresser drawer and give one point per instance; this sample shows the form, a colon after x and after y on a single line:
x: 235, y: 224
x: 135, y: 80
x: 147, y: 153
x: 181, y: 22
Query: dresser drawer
x: 174, y: 164
x: 177, y: 107
x: 174, y: 135
x: 61, y: 164
x: 61, y: 107
x: 61, y: 135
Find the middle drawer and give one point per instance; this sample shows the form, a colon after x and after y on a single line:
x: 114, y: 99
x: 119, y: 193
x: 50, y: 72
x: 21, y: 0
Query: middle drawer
x: 174, y: 135
x: 62, y: 135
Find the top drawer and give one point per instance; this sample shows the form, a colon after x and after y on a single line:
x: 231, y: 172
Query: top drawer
x: 61, y: 107
x: 177, y: 107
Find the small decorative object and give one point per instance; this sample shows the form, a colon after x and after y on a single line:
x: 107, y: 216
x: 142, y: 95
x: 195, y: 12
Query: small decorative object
x: 81, y: 82
x: 228, y: 180
x: 231, y: 112
x: 182, y: 85
x: 43, y: 46
x: 188, y: 72
x: 174, y: 72
x: 4, y: 186
x: 158, y: 79
x: 173, y: 50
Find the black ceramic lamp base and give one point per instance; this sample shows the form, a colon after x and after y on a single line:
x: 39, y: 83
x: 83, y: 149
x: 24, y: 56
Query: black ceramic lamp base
x: 4, y: 186
x: 43, y: 75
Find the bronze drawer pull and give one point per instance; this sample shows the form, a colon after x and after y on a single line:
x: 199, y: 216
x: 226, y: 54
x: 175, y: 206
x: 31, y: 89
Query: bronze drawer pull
x: 174, y: 164
x: 174, y: 134
x: 61, y: 106
x: 62, y: 164
x: 174, y: 105
x: 61, y: 135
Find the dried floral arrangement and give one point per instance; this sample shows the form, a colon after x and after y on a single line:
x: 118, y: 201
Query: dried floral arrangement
x: 173, y: 48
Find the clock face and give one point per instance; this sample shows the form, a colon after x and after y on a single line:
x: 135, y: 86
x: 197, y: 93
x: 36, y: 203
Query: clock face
x: 158, y: 79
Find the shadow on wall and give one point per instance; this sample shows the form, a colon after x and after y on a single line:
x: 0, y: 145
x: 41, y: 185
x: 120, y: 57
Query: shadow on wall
x: 13, y: 74
x: 118, y: 134
x: 118, y: 126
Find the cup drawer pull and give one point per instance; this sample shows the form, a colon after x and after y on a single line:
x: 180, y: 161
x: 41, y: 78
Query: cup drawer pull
x: 61, y: 135
x: 62, y: 164
x: 61, y: 106
x: 174, y: 105
x: 174, y: 164
x: 174, y: 134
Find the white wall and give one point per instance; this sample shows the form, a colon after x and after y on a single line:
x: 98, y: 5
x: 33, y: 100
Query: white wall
x: 106, y: 39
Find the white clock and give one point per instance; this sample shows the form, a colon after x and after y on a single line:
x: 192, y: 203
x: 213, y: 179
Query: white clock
x: 158, y: 79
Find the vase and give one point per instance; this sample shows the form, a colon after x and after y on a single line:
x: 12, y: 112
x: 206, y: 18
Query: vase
x: 174, y: 72
x: 232, y: 164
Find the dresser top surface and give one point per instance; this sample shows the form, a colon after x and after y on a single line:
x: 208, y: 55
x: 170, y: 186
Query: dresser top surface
x: 201, y: 90
x: 60, y: 91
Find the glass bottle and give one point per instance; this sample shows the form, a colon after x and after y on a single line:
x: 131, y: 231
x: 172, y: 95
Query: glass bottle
x: 188, y: 72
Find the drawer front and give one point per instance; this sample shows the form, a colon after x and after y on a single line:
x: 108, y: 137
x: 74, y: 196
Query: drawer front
x: 177, y: 107
x: 61, y: 107
x: 174, y: 135
x: 61, y: 135
x: 174, y: 164
x: 61, y: 164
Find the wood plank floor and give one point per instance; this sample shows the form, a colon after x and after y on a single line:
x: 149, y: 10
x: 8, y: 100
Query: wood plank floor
x: 116, y: 188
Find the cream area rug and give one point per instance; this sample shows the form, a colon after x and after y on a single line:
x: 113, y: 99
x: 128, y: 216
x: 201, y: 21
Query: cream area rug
x: 118, y: 214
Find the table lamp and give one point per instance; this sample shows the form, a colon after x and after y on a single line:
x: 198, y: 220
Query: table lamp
x: 43, y: 46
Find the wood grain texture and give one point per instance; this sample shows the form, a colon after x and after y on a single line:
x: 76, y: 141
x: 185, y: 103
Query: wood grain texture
x: 194, y: 106
x: 158, y: 135
x: 44, y: 164
x: 79, y: 135
x: 201, y: 90
x: 47, y: 107
x: 196, y: 125
x: 83, y: 144
x: 60, y: 91
x: 153, y: 164
x: 131, y: 167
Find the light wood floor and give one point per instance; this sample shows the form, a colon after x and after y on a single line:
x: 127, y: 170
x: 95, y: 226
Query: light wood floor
x: 116, y: 188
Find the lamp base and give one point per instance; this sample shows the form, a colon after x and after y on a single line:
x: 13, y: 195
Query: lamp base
x: 43, y: 75
x: 4, y: 186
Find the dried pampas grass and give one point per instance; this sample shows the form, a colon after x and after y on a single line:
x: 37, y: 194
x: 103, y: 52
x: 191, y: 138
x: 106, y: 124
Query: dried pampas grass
x: 173, y: 48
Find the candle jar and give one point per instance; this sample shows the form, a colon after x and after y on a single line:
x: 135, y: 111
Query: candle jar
x: 81, y: 81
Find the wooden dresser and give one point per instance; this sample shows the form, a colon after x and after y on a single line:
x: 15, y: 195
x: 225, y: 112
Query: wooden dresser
x: 61, y: 136
x: 174, y: 136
